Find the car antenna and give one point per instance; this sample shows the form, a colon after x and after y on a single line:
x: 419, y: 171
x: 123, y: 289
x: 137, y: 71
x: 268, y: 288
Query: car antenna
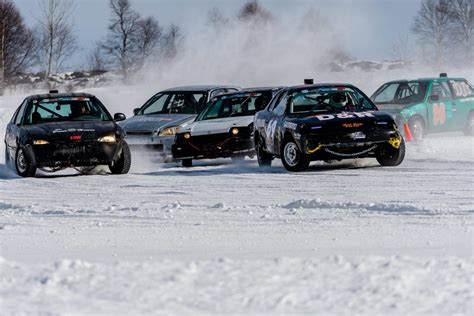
x: 53, y: 91
x: 308, y: 81
x: 443, y: 75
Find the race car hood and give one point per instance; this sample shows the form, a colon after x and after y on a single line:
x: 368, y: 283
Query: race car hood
x: 217, y: 126
x: 89, y: 130
x: 153, y: 122
x: 344, y: 119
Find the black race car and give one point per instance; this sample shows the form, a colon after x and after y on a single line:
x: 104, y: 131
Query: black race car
x: 325, y: 122
x: 54, y: 131
x: 224, y: 128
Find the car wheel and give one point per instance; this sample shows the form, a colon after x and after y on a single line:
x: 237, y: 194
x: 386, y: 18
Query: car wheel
x: 264, y: 159
x: 24, y: 162
x: 389, y: 156
x: 123, y: 163
x: 469, y: 129
x: 187, y: 163
x: 417, y: 128
x: 292, y: 157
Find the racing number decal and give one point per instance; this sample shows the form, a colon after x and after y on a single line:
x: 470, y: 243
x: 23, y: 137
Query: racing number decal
x: 439, y: 114
x: 270, y: 130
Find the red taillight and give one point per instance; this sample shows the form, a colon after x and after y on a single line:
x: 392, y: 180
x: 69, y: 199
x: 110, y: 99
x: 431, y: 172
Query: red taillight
x: 75, y: 137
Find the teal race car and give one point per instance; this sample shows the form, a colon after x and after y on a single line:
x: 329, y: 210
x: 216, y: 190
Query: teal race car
x: 429, y: 105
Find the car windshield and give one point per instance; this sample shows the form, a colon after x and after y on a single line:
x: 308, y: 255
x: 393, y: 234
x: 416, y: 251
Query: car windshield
x: 401, y: 93
x: 331, y: 99
x: 245, y: 104
x: 65, y: 109
x: 175, y: 103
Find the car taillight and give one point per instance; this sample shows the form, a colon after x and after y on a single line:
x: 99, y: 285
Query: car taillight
x: 75, y: 137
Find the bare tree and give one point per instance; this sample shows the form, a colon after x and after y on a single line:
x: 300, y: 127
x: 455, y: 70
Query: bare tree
x: 432, y: 27
x: 171, y: 42
x: 148, y: 36
x: 57, y: 41
x: 216, y: 19
x: 461, y: 13
x: 120, y: 43
x: 96, y: 60
x: 401, y: 48
x: 253, y: 11
x: 16, y: 43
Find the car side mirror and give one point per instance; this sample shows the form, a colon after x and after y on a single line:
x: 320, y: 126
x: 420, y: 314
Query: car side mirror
x: 135, y: 111
x: 119, y: 117
x: 434, y: 98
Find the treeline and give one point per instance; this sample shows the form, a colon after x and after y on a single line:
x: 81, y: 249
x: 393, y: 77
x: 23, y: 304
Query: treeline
x: 444, y: 32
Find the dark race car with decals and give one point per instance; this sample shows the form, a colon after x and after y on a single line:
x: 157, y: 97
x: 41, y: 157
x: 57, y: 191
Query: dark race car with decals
x: 55, y: 131
x: 224, y: 128
x: 325, y: 122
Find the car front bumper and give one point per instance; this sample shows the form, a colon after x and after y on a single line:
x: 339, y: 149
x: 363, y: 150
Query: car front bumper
x: 151, y: 143
x: 213, y: 146
x: 341, y: 146
x: 76, y: 154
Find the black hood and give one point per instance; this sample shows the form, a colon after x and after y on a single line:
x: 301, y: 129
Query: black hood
x: 89, y: 130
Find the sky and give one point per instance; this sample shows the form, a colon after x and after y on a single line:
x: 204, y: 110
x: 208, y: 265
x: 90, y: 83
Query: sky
x: 367, y: 27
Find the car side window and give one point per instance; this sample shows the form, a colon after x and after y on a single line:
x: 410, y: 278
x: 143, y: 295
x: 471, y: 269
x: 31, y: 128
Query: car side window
x: 441, y: 89
x: 461, y: 89
x: 20, y: 113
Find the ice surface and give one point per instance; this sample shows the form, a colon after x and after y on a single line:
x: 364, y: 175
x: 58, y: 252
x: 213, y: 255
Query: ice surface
x: 223, y: 238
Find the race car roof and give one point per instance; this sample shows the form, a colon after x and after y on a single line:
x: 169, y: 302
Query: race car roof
x: 250, y: 90
x: 203, y: 88
x: 425, y: 79
x: 321, y: 85
x: 59, y: 95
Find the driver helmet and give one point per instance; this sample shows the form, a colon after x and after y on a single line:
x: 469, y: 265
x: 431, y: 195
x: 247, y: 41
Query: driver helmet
x: 339, y: 100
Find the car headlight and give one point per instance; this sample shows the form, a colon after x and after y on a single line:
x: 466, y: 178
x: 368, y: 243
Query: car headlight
x: 187, y: 135
x: 40, y: 142
x: 107, y: 139
x: 234, y: 131
x: 169, y: 131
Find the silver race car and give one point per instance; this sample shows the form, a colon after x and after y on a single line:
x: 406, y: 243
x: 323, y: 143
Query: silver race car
x: 154, y: 125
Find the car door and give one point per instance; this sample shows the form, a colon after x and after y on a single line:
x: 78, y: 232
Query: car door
x: 440, y: 107
x: 463, y: 102
x: 273, y: 124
